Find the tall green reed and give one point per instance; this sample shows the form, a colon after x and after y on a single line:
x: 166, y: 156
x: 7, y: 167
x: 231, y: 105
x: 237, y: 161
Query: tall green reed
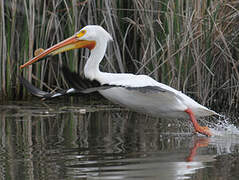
x: 190, y: 45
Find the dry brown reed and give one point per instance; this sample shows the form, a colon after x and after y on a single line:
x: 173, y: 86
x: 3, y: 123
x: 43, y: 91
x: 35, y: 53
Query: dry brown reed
x: 190, y: 45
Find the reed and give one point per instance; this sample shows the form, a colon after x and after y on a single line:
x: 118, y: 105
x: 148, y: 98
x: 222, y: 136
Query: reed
x: 190, y: 45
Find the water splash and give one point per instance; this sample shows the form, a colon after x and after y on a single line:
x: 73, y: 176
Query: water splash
x: 224, y: 128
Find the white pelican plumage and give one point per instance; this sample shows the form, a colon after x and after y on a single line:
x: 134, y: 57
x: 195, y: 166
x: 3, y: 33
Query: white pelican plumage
x: 138, y: 92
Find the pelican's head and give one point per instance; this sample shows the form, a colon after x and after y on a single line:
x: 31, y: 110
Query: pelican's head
x: 93, y: 33
x: 87, y: 37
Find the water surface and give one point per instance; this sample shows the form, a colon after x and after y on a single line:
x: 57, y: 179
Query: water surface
x: 66, y: 141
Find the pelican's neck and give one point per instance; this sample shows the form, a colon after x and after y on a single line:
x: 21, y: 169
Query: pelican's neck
x: 91, y: 69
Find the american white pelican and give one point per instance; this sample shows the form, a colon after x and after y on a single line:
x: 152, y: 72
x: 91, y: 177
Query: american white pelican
x: 138, y: 92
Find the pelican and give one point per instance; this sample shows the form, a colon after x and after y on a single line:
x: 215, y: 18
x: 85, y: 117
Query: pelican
x: 139, y: 93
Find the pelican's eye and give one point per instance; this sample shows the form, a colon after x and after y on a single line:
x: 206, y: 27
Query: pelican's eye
x: 81, y: 33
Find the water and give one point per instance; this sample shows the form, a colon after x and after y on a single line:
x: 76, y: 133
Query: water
x: 65, y: 141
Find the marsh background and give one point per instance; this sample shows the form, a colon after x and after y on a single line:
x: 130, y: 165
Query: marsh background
x: 189, y: 45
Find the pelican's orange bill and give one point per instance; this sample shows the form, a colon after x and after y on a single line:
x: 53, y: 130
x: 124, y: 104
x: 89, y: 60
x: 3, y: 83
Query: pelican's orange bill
x: 71, y: 43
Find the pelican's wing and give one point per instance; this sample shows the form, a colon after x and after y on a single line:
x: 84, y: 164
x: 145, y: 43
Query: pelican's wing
x: 79, y: 85
x: 85, y: 85
x: 149, y: 89
x: 46, y: 95
x: 157, y: 92
x: 140, y: 83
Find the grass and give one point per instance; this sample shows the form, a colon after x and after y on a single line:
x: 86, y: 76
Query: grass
x: 190, y: 45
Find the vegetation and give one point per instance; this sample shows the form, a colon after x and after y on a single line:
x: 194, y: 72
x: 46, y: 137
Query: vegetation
x: 190, y: 45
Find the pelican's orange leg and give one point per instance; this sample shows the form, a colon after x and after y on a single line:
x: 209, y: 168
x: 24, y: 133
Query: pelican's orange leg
x: 197, y: 127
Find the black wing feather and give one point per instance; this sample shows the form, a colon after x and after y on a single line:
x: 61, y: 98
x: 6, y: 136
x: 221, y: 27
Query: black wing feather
x: 43, y: 94
x: 80, y: 85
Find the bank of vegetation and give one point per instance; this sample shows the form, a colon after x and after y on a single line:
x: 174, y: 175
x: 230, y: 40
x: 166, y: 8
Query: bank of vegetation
x: 190, y: 45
